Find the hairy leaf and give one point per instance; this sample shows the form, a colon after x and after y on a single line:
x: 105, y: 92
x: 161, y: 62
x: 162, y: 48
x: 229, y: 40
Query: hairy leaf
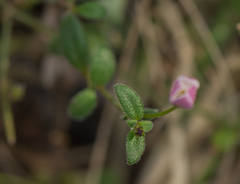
x: 135, y: 147
x: 130, y: 101
x: 131, y: 123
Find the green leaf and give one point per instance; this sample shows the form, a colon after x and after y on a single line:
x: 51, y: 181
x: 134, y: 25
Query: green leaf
x: 135, y: 147
x: 130, y: 101
x: 91, y: 10
x: 103, y: 66
x: 82, y: 104
x: 73, y: 42
x: 131, y: 123
x: 146, y: 125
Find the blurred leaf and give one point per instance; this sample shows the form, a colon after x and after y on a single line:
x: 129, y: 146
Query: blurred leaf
x: 55, y: 46
x: 73, y: 42
x: 82, y: 104
x: 146, y: 125
x: 131, y: 123
x: 95, y: 37
x: 225, y: 139
x: 222, y: 33
x: 70, y: 177
x: 12, y: 179
x: 42, y: 177
x: 135, y: 147
x: 109, y: 176
x: 236, y: 5
x: 115, y: 10
x: 130, y: 101
x: 224, y: 21
x: 17, y: 92
x: 91, y: 10
x: 211, y: 169
x: 103, y: 66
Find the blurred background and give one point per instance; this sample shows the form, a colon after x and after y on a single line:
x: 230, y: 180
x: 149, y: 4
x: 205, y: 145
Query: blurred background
x: 154, y: 41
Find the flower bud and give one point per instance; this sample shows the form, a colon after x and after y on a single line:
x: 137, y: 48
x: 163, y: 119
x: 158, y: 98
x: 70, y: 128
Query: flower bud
x: 184, y: 90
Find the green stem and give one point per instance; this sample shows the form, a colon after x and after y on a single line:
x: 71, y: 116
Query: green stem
x: 109, y: 97
x: 156, y: 115
x: 4, y: 66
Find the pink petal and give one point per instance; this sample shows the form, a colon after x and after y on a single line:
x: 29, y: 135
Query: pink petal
x: 192, y: 92
x: 175, y: 87
x: 183, y: 102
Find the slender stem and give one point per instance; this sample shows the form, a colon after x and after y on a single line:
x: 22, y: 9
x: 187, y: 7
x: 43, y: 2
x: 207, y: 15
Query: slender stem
x: 28, y: 20
x: 4, y: 65
x: 109, y: 97
x: 32, y: 22
x: 156, y: 115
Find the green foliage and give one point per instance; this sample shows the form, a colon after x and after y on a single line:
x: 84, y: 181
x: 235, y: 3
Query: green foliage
x: 91, y: 10
x: 95, y: 38
x: 146, y: 125
x: 103, y: 66
x: 55, y: 46
x: 82, y: 104
x: 16, y: 92
x: 211, y: 169
x: 110, y: 176
x: 131, y: 123
x: 73, y: 42
x: 67, y: 177
x: 135, y: 147
x: 150, y: 111
x: 224, y: 139
x: 130, y: 102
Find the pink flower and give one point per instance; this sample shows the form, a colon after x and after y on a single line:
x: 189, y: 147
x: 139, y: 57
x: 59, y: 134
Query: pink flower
x: 184, y: 90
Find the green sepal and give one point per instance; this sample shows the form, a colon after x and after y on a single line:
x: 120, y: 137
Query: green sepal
x: 131, y: 123
x: 103, y: 66
x: 135, y: 147
x: 91, y: 10
x: 130, y: 102
x: 146, y: 125
x: 82, y: 104
x: 73, y: 42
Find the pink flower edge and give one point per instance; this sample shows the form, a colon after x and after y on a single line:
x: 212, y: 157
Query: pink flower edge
x: 184, y: 91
